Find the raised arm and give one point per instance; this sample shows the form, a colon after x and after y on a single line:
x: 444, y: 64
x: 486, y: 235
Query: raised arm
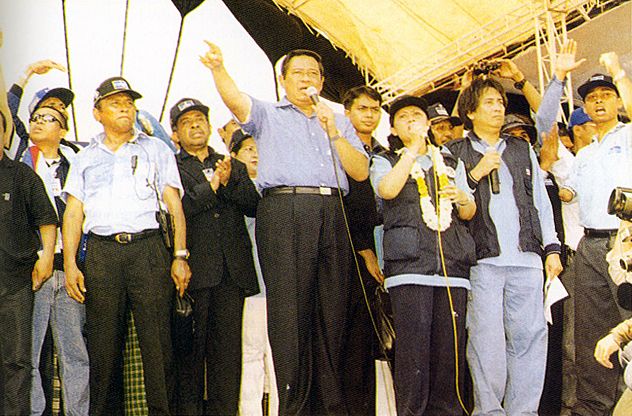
x: 565, y: 62
x: 610, y: 61
x: 508, y: 69
x: 388, y: 181
x: 39, y: 68
x: 237, y: 102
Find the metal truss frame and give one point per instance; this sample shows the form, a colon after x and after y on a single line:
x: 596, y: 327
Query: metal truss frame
x: 542, y: 24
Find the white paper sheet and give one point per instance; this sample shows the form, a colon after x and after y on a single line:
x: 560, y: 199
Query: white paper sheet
x: 554, y: 291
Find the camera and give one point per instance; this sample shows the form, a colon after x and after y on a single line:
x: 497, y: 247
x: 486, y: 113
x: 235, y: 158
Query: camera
x: 485, y: 67
x: 620, y: 203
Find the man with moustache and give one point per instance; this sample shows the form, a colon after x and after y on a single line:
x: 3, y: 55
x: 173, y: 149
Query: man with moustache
x: 217, y: 195
x: 112, y: 194
x: 598, y: 168
x: 304, y: 150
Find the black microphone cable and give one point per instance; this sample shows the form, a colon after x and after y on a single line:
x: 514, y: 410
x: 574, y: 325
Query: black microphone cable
x: 435, y: 177
x: 354, y: 254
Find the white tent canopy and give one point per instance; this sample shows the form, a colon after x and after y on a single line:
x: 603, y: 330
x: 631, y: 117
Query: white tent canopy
x: 412, y: 46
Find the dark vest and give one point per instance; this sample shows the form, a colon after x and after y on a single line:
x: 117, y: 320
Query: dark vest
x: 410, y: 246
x: 516, y: 157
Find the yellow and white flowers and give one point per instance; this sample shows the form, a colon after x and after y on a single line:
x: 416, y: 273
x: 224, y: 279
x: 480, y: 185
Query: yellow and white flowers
x: 438, y: 219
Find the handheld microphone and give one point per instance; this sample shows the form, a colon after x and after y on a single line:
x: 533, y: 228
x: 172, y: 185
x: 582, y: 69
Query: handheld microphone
x: 624, y: 295
x: 494, y: 181
x: 313, y: 94
x: 134, y: 163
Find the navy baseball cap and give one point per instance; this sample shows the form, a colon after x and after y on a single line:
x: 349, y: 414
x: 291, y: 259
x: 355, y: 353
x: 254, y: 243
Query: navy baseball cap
x: 183, y: 106
x: 113, y: 86
x: 406, y: 101
x: 437, y: 113
x: 237, y: 139
x: 64, y: 94
x: 596, y: 80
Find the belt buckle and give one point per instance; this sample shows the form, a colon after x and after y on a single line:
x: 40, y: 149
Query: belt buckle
x: 123, y: 238
x: 324, y: 190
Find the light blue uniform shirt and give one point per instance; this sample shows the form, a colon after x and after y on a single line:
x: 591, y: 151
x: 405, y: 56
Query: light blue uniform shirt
x: 599, y: 168
x: 380, y: 166
x: 546, y: 116
x: 115, y: 191
x: 504, y: 212
x: 293, y: 148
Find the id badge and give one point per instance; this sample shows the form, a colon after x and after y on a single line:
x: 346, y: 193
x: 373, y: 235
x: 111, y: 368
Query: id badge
x: 208, y: 173
x: 56, y: 187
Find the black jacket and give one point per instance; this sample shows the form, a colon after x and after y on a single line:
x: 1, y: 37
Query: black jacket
x: 361, y: 206
x: 216, y: 231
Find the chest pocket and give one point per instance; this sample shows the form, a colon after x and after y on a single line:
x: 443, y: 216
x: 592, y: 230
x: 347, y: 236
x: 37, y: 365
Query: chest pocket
x: 97, y: 178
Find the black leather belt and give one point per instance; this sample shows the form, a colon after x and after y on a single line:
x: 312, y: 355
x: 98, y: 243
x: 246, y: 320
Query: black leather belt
x: 125, y: 238
x: 591, y: 232
x: 306, y: 190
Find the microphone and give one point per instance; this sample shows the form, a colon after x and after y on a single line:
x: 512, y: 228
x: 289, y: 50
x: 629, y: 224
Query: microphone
x: 134, y: 163
x: 313, y: 94
x: 494, y: 181
x: 624, y: 295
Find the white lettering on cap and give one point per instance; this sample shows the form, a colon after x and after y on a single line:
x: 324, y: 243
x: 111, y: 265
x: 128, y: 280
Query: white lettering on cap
x: 442, y: 111
x: 119, y: 84
x: 186, y: 104
x: 597, y: 78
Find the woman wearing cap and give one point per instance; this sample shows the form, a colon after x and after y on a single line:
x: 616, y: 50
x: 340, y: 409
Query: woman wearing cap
x: 428, y: 253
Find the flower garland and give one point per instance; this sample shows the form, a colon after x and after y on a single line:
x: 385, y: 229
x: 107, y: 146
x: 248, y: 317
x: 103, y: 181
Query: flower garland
x: 436, y: 219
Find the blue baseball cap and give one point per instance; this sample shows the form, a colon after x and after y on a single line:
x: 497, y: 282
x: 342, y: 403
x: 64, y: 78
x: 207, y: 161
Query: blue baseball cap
x: 578, y: 117
x: 64, y: 94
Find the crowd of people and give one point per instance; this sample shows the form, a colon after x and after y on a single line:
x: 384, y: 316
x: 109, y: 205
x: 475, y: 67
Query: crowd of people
x: 465, y: 218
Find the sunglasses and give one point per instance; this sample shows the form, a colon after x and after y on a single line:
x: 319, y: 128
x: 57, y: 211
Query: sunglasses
x: 46, y: 118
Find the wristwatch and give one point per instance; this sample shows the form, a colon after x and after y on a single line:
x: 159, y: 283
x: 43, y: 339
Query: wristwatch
x: 519, y: 85
x: 181, y: 254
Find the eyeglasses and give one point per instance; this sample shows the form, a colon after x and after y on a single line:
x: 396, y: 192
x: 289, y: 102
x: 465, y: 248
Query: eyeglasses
x: 46, y: 118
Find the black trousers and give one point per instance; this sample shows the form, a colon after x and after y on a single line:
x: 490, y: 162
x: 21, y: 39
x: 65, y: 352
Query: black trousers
x: 361, y: 345
x: 16, y: 317
x: 425, y: 373
x: 217, y: 313
x: 119, y: 277
x: 304, y: 255
x: 596, y: 313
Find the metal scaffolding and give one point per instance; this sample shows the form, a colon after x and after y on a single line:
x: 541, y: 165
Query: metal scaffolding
x: 541, y: 24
